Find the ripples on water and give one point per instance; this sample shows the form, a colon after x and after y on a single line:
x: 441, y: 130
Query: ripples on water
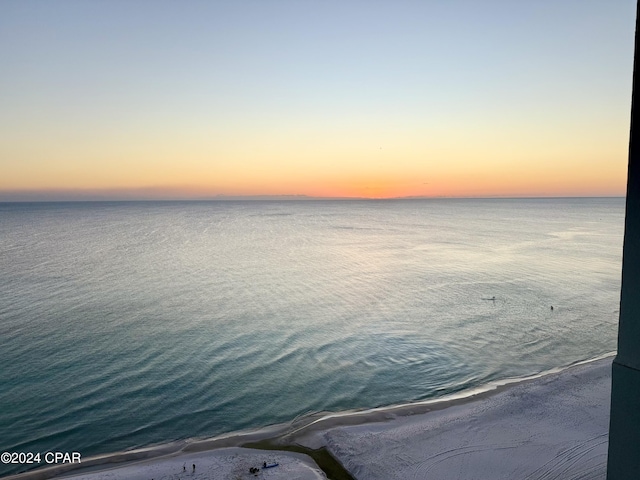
x: 128, y: 324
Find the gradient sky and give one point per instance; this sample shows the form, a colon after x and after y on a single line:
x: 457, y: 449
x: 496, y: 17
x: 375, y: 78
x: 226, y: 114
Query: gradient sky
x: 172, y: 99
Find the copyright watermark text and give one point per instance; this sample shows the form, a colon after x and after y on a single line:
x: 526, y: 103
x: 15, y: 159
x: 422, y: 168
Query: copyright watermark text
x: 23, y: 458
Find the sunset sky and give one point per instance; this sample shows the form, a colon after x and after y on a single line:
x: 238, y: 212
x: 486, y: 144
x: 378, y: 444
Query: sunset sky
x: 193, y: 99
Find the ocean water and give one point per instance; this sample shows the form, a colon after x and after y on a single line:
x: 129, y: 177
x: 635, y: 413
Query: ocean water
x: 131, y: 324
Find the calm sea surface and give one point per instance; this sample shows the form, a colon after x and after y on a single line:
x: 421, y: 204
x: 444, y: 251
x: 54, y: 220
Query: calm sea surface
x: 130, y: 324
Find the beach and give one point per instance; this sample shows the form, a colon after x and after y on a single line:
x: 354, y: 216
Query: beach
x: 232, y: 463
x: 552, y: 426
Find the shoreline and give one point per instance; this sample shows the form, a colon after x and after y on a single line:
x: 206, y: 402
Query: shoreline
x: 313, y: 431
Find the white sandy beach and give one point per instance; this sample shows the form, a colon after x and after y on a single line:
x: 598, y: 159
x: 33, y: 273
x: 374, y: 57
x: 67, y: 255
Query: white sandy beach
x: 553, y: 427
x: 223, y: 463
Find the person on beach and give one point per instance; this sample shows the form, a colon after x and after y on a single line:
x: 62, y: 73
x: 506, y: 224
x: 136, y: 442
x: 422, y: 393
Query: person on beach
x: 184, y: 467
x: 194, y: 467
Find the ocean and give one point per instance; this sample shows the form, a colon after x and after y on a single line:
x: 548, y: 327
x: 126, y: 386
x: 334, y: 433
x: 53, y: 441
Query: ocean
x: 128, y: 324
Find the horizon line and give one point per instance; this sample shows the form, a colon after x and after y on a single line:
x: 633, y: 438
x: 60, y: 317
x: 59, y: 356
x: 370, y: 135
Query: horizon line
x: 301, y: 197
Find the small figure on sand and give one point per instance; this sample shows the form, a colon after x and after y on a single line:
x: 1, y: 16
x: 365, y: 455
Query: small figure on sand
x: 194, y: 467
x: 184, y: 467
x: 552, y: 308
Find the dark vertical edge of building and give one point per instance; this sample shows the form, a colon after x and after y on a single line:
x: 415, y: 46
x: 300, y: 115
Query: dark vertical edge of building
x: 624, y: 426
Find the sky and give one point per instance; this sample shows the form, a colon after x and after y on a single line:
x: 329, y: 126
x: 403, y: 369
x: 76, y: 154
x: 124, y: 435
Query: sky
x: 196, y: 99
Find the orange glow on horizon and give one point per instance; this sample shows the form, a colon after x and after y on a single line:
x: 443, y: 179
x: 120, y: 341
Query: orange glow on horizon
x: 445, y: 186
